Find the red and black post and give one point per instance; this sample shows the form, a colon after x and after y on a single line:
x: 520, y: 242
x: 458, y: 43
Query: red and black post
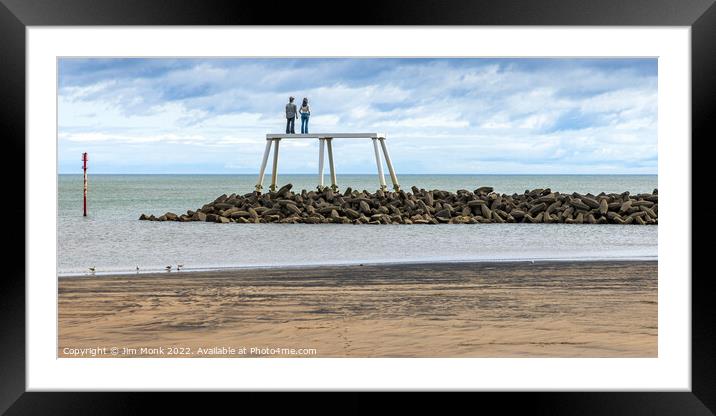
x: 84, y: 168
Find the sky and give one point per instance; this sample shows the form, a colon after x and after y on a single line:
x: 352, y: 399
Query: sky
x: 440, y: 116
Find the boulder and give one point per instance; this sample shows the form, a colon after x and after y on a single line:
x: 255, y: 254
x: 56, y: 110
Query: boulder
x: 637, y: 214
x: 222, y: 206
x: 603, y: 207
x: 550, y: 209
x: 486, y: 212
x: 443, y: 213
x: 577, y: 203
x: 590, y: 202
x: 649, y: 211
x: 613, y: 216
x: 228, y: 212
x: 428, y: 199
x: 549, y: 198
x: 292, y: 208
x: 352, y: 213
x: 626, y: 206
x: 537, y: 208
x: 271, y: 211
x: 239, y: 214
x: 283, y: 191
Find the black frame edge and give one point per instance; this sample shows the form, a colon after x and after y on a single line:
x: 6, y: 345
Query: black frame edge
x: 703, y: 116
x: 701, y: 16
x: 12, y: 123
x: 385, y: 12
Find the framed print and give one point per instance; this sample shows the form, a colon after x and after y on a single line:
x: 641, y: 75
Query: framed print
x: 482, y: 213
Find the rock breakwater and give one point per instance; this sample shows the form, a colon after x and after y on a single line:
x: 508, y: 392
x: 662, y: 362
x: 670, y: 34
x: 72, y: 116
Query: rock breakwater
x: 421, y: 206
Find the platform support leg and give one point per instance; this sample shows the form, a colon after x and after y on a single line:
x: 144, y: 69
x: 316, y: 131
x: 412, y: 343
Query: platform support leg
x: 393, y: 178
x: 329, y: 143
x: 260, y: 182
x: 321, y: 145
x: 379, y: 163
x: 274, y: 174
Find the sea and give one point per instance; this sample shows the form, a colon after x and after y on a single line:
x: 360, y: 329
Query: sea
x: 112, y: 240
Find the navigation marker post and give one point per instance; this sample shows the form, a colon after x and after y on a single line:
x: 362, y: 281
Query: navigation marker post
x: 84, y: 168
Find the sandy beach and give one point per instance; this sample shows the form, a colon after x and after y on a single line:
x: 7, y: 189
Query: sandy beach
x: 545, y: 309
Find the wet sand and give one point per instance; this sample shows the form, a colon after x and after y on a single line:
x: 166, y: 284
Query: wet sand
x: 546, y: 309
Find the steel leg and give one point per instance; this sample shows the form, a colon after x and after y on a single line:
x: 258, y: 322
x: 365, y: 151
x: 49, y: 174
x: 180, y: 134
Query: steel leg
x: 379, y: 163
x: 274, y: 174
x: 334, y: 183
x: 322, y: 143
x: 393, y: 178
x: 260, y: 183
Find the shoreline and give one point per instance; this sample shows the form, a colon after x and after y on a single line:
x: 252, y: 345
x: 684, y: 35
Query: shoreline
x: 231, y: 268
x: 515, y: 309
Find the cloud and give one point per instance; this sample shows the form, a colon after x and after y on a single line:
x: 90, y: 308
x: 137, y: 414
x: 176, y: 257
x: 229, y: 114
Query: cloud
x: 441, y: 115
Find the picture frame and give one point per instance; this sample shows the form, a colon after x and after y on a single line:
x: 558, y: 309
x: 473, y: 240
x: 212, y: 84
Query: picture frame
x: 16, y: 15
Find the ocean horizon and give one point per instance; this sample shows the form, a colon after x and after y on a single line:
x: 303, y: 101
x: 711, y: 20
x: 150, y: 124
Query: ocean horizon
x: 112, y: 239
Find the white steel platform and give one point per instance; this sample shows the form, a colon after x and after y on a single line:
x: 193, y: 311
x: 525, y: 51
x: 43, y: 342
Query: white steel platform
x: 327, y: 136
x: 325, y: 140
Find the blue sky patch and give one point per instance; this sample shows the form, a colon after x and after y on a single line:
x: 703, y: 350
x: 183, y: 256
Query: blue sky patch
x: 462, y: 115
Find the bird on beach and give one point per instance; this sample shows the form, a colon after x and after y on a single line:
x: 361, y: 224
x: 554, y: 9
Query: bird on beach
x: 168, y: 268
x: 92, y: 269
x: 137, y: 268
x: 179, y: 266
